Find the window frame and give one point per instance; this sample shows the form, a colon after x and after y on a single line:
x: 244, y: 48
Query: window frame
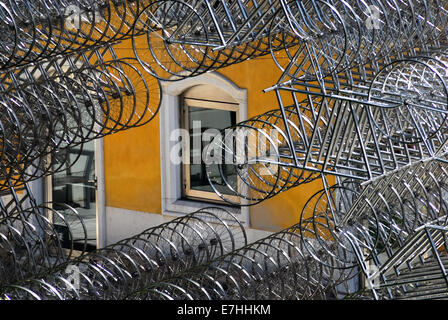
x: 187, y: 192
x: 172, y: 203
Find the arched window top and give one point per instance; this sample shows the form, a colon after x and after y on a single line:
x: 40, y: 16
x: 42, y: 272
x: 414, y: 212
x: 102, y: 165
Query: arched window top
x: 210, y: 79
x: 208, y: 92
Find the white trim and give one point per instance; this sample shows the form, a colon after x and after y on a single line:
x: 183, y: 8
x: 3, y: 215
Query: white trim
x: 171, y: 178
x: 176, y: 88
x: 101, y: 227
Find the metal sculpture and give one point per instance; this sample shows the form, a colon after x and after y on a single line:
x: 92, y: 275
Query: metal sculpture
x: 387, y: 231
x: 72, y: 102
x: 62, y: 85
x: 185, y: 39
x: 374, y: 75
x: 59, y: 90
x: 40, y: 29
x: 384, y: 229
x: 378, y: 118
x: 116, y: 270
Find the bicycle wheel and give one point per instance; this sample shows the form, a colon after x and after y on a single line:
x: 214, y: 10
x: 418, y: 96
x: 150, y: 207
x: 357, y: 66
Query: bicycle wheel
x: 415, y: 99
x: 8, y: 36
x: 166, y: 52
x: 148, y: 92
x: 242, y: 165
x: 313, y: 45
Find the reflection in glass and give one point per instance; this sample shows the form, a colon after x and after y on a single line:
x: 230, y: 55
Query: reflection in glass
x: 207, y: 119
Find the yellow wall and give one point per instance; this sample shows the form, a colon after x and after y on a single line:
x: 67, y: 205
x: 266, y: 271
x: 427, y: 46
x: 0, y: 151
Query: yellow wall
x: 132, y: 158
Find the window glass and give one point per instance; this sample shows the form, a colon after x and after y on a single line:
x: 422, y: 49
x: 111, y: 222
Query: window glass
x: 208, y: 119
x: 203, y: 119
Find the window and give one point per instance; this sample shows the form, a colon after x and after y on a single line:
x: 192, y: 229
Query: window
x: 205, y: 111
x: 74, y: 184
x: 209, y: 91
x: 78, y: 181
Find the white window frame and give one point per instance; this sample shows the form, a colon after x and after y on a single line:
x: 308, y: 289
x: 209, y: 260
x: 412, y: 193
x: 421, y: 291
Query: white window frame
x: 170, y: 119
